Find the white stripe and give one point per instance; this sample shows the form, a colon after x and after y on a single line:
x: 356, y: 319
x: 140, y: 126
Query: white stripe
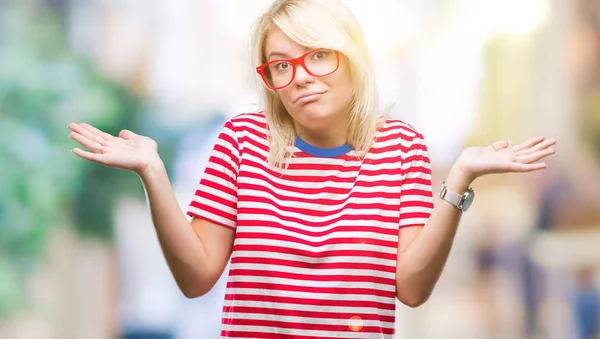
x: 325, y: 237
x: 309, y: 320
x: 398, y: 142
x: 308, y: 295
x: 413, y: 197
x: 211, y: 216
x: 416, y: 209
x: 313, y: 271
x: 417, y: 163
x: 216, y: 205
x: 308, y: 333
x: 316, y: 261
x: 308, y: 228
x: 413, y: 221
x: 301, y: 307
x: 302, y: 214
x: 291, y: 202
x: 223, y: 169
x: 215, y: 180
x: 333, y: 162
x: 319, y: 186
x: 307, y: 283
x: 338, y: 247
x: 416, y: 186
x: 394, y: 126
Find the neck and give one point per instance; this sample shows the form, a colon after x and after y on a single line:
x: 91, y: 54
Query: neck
x: 326, y: 138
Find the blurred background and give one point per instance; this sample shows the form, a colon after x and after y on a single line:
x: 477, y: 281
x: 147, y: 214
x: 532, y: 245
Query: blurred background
x: 78, y: 253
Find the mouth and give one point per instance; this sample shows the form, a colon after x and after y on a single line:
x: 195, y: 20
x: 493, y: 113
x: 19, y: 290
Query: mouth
x: 309, y: 97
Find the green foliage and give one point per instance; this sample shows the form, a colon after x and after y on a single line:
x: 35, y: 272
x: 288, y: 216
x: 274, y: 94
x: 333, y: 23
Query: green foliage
x: 43, y: 87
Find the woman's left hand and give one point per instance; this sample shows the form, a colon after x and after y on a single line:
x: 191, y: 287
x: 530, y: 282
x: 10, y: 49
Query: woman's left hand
x: 500, y: 158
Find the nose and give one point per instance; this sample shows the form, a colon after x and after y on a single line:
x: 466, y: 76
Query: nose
x: 302, y: 76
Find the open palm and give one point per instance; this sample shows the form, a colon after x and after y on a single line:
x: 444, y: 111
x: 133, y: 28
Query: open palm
x: 127, y: 151
x: 500, y: 158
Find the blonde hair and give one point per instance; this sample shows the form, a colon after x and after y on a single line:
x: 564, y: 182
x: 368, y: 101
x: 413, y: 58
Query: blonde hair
x: 318, y: 24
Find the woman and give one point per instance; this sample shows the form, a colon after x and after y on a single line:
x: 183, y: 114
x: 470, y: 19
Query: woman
x: 323, y: 204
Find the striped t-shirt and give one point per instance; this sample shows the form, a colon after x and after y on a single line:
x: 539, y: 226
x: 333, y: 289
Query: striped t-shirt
x: 315, y: 247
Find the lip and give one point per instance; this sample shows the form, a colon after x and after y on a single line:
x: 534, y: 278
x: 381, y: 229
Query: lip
x: 308, y: 97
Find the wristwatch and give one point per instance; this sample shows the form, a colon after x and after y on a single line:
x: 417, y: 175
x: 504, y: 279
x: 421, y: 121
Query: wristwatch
x: 461, y: 201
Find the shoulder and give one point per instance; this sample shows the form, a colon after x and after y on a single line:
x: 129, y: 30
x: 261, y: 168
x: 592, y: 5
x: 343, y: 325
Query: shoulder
x: 248, y: 120
x: 399, y: 130
x: 248, y: 130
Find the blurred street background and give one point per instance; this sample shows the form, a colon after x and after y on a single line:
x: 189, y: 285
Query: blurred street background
x: 79, y: 256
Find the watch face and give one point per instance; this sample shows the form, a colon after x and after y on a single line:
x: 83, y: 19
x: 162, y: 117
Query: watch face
x: 469, y: 196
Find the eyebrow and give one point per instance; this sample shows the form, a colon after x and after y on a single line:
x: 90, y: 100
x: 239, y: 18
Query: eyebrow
x: 278, y: 54
x: 284, y: 55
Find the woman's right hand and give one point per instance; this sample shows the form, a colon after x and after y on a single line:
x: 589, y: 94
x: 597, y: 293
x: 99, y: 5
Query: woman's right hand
x: 128, y: 151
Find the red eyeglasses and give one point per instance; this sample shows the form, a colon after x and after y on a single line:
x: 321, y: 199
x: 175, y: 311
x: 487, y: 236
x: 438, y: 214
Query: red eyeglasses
x: 278, y: 74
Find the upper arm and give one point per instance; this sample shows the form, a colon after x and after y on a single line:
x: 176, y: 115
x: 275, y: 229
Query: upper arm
x: 217, y: 242
x: 416, y: 192
x: 216, y: 196
x: 406, y: 236
x: 214, y: 205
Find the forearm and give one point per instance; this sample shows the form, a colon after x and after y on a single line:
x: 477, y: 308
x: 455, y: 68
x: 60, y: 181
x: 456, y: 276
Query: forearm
x: 182, y: 248
x: 420, y: 266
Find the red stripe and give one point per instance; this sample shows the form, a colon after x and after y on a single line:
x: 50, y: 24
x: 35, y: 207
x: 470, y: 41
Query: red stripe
x: 312, y: 277
x: 305, y: 326
x: 312, y: 302
x: 324, y: 290
x: 315, y: 255
x: 264, y: 335
x: 215, y: 211
x: 317, y: 233
x: 316, y: 267
x: 260, y: 211
x: 332, y: 241
x: 317, y: 210
x: 316, y: 201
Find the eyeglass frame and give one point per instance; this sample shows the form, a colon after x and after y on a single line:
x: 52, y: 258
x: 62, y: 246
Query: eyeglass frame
x: 295, y: 62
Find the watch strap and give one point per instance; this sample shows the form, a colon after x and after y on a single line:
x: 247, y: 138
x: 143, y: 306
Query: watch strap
x: 450, y: 196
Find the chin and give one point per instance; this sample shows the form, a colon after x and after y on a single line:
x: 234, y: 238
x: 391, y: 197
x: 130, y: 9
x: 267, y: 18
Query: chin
x: 313, y: 113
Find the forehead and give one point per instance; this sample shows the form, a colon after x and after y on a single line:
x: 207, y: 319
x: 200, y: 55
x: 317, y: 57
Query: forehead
x: 279, y: 44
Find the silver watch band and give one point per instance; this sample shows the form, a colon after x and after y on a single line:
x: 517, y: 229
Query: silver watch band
x: 450, y: 196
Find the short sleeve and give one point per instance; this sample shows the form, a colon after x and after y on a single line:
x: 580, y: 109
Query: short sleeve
x: 215, y: 198
x: 416, y: 196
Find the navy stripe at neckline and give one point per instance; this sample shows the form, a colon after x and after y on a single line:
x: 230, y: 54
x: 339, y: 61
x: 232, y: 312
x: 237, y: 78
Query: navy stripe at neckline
x: 322, y: 151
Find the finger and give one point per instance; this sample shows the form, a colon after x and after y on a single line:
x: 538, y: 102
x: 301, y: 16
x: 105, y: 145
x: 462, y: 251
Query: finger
x: 86, y: 142
x: 78, y: 128
x: 96, y: 131
x: 536, y: 156
x: 498, y: 145
x: 518, y: 167
x: 529, y: 143
x: 94, y: 157
x: 539, y: 147
x: 127, y: 134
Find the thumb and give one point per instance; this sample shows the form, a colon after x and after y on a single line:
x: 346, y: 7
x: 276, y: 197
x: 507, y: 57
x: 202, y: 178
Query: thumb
x: 501, y: 144
x: 127, y: 134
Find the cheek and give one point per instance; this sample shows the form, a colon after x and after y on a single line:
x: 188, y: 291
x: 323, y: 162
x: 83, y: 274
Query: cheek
x: 342, y: 89
x: 285, y: 96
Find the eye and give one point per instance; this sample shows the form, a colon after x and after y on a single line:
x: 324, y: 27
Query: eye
x: 322, y: 54
x: 282, y: 66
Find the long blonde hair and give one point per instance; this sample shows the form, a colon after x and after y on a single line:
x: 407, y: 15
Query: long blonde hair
x: 318, y: 24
